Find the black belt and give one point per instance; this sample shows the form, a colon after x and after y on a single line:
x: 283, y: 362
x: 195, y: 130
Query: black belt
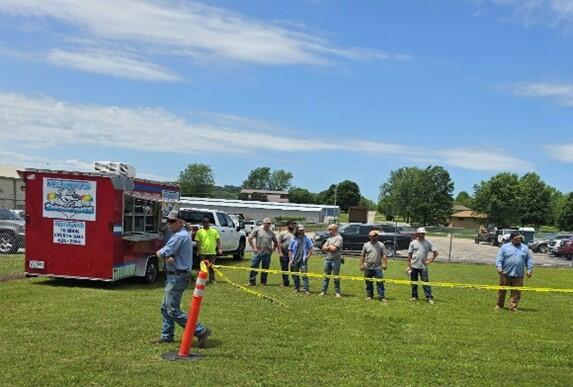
x: 170, y: 272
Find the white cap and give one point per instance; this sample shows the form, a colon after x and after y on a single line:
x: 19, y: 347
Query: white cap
x: 421, y: 230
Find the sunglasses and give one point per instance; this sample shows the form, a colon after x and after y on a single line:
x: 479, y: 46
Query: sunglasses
x: 171, y: 221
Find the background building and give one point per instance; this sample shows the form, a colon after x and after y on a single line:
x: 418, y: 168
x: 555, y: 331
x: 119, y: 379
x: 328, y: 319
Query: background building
x: 11, y: 188
x: 252, y: 210
x: 264, y: 195
x: 467, y: 219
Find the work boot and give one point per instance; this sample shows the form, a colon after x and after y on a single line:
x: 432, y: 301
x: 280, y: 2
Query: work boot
x: 202, y: 342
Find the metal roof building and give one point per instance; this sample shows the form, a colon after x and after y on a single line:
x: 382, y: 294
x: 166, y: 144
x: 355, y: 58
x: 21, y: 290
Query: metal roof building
x: 311, y: 213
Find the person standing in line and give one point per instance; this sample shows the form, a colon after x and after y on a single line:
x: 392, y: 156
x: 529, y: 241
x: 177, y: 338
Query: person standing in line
x: 284, y: 239
x: 418, y: 262
x: 208, y: 245
x: 300, y: 250
x: 177, y: 255
x: 333, y: 249
x: 513, y: 259
x: 263, y: 241
x: 373, y: 261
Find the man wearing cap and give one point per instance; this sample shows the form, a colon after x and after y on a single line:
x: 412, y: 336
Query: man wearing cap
x: 177, y: 255
x: 208, y: 245
x: 372, y: 261
x: 418, y: 262
x: 263, y: 241
x: 513, y: 259
x: 333, y: 249
x: 300, y: 250
x: 284, y: 239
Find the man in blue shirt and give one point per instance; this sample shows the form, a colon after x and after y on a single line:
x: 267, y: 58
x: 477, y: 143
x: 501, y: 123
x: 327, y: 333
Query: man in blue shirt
x: 511, y: 262
x: 178, y: 257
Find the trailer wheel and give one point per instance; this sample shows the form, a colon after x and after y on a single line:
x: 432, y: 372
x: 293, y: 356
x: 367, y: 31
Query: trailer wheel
x: 8, y: 244
x: 240, y: 253
x: 151, y: 272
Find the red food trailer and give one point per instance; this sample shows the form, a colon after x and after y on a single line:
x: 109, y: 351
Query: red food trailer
x: 96, y: 226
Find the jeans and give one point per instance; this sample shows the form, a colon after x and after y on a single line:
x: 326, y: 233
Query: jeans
x: 265, y: 259
x: 515, y: 295
x: 423, y: 273
x: 374, y: 273
x: 331, y: 268
x: 284, y: 267
x: 175, y: 285
x: 303, y: 268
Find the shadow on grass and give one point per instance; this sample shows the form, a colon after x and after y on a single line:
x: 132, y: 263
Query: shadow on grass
x: 126, y: 284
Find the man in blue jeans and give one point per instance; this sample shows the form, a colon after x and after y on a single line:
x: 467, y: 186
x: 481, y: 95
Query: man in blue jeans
x: 178, y: 257
x: 333, y: 249
x: 418, y: 262
x: 284, y: 239
x: 263, y: 241
x: 372, y: 261
x: 300, y: 250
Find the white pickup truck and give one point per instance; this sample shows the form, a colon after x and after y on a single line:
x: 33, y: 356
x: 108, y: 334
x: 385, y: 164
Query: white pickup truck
x: 233, y: 238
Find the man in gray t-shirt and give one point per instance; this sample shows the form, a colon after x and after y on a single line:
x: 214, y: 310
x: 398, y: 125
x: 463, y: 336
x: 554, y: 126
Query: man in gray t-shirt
x: 333, y: 249
x: 265, y: 242
x: 284, y: 239
x: 372, y: 260
x: 418, y: 263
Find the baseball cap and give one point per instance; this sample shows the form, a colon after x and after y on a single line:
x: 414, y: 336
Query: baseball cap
x: 300, y: 227
x: 515, y: 234
x: 267, y: 220
x: 421, y: 230
x: 173, y: 215
x: 373, y: 233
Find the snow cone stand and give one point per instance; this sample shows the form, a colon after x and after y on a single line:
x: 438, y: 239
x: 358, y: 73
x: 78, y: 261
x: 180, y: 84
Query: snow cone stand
x: 103, y: 225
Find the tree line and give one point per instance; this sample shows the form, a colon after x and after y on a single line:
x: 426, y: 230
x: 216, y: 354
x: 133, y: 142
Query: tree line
x: 413, y: 194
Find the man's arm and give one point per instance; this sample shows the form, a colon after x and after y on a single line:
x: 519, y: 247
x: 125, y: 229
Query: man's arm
x: 410, y: 253
x: 499, y: 260
x: 309, y: 247
x: 529, y: 264
x: 385, y: 262
x: 170, y: 248
x: 252, y: 236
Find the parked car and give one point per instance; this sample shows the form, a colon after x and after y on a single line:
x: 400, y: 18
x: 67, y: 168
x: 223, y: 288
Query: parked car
x: 19, y: 213
x: 565, y: 248
x: 493, y: 235
x: 354, y: 235
x: 233, y: 238
x: 12, y: 232
x: 541, y: 245
x: 554, y: 244
x: 528, y: 234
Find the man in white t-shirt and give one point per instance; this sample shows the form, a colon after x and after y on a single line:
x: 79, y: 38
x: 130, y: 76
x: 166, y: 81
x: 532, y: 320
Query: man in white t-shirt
x: 418, y: 263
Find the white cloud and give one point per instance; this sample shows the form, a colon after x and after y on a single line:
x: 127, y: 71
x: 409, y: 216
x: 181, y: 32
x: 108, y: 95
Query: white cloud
x: 554, y: 13
x: 561, y: 93
x: 28, y: 161
x: 480, y: 160
x: 562, y: 152
x: 171, y: 28
x: 43, y: 122
x: 111, y: 63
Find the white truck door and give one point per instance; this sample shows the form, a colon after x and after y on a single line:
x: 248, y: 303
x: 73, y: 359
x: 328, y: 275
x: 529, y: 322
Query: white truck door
x: 226, y: 237
x: 235, y: 235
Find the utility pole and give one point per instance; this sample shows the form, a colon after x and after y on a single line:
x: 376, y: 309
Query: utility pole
x: 335, y: 193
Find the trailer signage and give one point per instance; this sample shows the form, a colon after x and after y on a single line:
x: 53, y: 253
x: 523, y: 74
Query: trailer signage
x: 69, y: 199
x: 69, y: 232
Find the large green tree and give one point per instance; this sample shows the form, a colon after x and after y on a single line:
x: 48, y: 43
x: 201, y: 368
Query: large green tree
x: 344, y: 194
x: 500, y: 199
x: 301, y: 195
x: 566, y: 216
x: 464, y: 199
x: 536, y: 199
x: 197, y: 180
x: 418, y: 195
x: 265, y: 179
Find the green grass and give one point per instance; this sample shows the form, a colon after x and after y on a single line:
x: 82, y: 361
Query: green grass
x: 80, y: 333
x: 11, y: 264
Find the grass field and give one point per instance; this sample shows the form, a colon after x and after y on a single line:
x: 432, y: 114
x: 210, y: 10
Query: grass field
x: 78, y: 333
x: 11, y: 264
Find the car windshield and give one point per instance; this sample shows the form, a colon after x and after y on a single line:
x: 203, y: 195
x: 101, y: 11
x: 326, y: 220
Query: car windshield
x: 6, y: 214
x: 562, y: 236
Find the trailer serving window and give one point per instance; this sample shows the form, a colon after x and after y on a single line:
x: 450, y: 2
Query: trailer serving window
x: 140, y: 215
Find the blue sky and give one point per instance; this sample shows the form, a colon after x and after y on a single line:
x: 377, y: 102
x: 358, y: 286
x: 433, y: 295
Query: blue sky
x: 329, y: 90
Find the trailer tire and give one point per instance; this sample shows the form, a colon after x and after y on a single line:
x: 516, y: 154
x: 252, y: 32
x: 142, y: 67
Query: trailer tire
x: 8, y: 244
x: 151, y: 271
x: 240, y: 253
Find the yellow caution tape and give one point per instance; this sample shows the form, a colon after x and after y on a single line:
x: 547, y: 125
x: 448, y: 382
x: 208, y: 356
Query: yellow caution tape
x: 204, y: 267
x: 402, y: 282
